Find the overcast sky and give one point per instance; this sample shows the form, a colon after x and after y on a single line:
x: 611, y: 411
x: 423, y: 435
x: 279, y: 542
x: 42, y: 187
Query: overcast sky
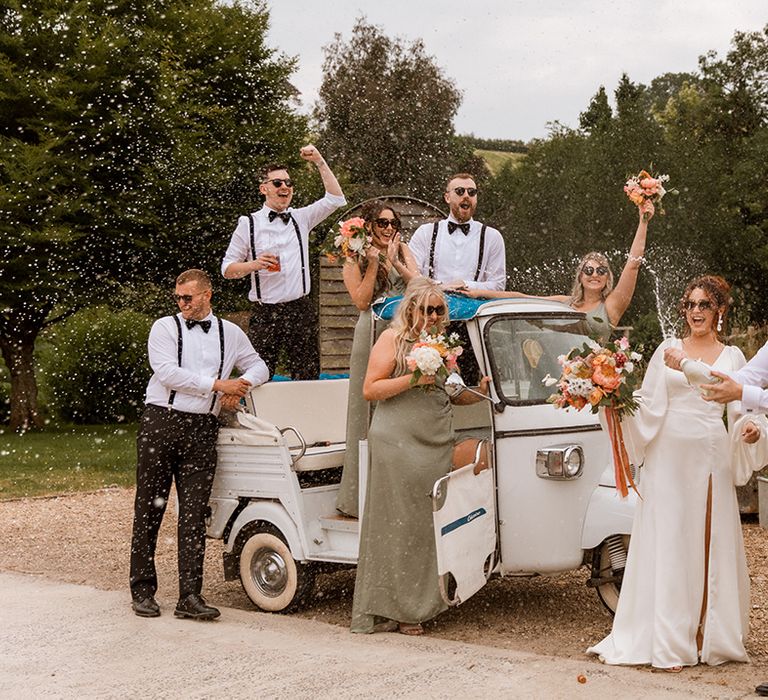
x: 523, y: 64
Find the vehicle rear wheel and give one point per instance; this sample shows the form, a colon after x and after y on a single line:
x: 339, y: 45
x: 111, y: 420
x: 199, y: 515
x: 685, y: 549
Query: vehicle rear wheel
x: 271, y: 577
x: 608, y: 561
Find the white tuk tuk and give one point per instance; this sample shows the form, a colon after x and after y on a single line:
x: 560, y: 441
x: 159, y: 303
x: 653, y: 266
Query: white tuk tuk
x: 546, y: 505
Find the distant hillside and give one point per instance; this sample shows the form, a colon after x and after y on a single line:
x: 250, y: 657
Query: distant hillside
x: 496, y: 160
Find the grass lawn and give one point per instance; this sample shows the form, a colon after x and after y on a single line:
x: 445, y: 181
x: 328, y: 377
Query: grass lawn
x: 66, y: 459
x: 496, y: 160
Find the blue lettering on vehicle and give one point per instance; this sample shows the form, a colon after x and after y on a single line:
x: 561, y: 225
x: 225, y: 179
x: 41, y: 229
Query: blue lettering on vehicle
x: 450, y: 527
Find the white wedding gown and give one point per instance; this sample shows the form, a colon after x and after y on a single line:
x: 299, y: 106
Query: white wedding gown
x: 683, y: 441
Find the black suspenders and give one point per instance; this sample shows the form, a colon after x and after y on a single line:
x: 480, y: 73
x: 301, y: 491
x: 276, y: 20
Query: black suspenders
x: 172, y: 395
x: 431, y: 272
x: 180, y: 345
x: 255, y: 273
x: 252, y: 229
x: 480, y: 253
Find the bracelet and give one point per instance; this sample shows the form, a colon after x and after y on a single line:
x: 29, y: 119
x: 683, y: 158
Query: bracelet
x: 636, y: 258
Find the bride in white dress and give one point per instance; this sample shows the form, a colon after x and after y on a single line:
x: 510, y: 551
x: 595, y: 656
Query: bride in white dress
x: 685, y: 593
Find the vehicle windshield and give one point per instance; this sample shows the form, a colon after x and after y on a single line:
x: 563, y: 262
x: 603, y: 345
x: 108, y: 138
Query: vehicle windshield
x: 523, y: 350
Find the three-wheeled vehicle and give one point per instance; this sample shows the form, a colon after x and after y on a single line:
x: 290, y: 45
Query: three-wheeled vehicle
x: 546, y: 504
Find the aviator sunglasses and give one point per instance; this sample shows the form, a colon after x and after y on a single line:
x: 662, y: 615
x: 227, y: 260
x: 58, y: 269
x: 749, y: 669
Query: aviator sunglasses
x: 588, y: 270
x: 471, y: 191
x: 277, y: 182
x: 383, y: 223
x: 439, y: 310
x: 703, y: 305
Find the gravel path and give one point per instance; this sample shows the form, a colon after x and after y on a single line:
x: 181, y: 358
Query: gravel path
x: 85, y: 539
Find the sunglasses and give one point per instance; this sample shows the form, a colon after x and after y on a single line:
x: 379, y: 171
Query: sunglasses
x: 704, y: 305
x: 186, y: 298
x: 384, y: 223
x: 439, y: 310
x: 471, y: 191
x: 588, y: 270
x: 277, y: 182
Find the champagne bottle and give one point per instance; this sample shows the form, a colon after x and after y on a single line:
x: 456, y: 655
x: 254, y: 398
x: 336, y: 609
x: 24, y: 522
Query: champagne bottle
x: 698, y: 373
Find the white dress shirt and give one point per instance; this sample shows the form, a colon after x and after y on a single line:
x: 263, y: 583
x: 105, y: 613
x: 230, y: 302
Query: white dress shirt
x: 279, y: 238
x: 200, y: 359
x: 456, y: 255
x: 754, y: 376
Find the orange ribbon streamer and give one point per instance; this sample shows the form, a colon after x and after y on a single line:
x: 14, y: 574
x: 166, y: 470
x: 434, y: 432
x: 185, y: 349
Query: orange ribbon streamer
x: 622, y: 470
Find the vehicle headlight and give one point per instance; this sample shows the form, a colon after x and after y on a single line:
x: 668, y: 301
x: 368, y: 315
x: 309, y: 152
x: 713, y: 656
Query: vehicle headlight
x: 561, y: 462
x: 573, y: 462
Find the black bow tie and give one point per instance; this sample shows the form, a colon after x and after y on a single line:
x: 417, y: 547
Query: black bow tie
x: 452, y: 226
x: 284, y: 215
x: 191, y: 323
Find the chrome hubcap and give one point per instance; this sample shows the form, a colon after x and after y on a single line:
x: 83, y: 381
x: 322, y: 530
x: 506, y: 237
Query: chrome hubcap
x: 269, y: 572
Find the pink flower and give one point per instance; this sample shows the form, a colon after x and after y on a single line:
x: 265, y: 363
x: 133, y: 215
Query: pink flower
x: 347, y: 228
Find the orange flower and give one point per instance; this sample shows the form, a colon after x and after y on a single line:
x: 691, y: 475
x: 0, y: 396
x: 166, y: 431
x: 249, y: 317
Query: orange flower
x: 605, y: 376
x: 596, y: 396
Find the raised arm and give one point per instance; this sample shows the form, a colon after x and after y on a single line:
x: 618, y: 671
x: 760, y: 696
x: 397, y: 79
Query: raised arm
x: 402, y: 259
x: 331, y: 184
x: 618, y: 300
x: 361, y: 286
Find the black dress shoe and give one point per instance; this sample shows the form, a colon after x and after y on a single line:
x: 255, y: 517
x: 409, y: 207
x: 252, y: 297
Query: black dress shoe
x: 762, y: 690
x: 146, y: 607
x: 193, y: 606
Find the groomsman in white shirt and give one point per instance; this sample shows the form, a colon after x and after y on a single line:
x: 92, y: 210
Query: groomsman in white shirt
x: 192, y: 355
x: 272, y: 246
x: 458, y: 251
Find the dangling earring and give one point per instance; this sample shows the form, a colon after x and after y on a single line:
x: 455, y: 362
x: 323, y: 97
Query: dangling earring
x: 720, y: 322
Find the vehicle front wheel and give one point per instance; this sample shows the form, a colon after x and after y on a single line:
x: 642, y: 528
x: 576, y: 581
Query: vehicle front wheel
x: 608, y: 562
x: 271, y: 577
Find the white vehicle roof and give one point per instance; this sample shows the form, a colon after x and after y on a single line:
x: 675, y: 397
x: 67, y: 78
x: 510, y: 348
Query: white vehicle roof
x: 525, y: 306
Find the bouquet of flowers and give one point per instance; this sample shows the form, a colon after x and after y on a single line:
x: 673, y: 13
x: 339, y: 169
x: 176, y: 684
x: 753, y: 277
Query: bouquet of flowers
x: 351, y: 240
x: 601, y: 376
x: 643, y: 187
x: 433, y: 355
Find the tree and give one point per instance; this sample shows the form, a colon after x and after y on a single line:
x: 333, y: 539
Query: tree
x: 385, y: 114
x: 132, y: 135
x: 708, y: 130
x: 597, y: 117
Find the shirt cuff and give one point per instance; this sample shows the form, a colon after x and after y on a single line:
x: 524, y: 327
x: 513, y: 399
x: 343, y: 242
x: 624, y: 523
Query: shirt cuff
x: 205, y: 385
x: 338, y: 200
x: 750, y: 398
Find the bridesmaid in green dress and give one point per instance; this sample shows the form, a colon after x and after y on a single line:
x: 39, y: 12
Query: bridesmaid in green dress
x: 411, y: 444
x: 593, y: 290
x: 384, y: 270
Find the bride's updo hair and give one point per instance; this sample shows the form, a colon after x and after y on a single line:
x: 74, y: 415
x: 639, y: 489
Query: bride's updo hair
x: 718, y: 291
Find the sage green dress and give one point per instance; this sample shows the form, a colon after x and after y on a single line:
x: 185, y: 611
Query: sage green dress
x: 358, y: 409
x: 602, y: 328
x: 411, y: 443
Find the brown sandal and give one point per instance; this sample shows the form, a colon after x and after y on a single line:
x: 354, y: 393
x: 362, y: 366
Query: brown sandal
x: 674, y: 669
x: 386, y: 626
x: 412, y: 630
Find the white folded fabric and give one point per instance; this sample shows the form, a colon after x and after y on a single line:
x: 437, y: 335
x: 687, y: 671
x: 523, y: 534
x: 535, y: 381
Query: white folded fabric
x: 745, y: 458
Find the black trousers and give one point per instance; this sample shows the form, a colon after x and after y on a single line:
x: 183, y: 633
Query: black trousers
x: 291, y: 327
x: 172, y: 445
